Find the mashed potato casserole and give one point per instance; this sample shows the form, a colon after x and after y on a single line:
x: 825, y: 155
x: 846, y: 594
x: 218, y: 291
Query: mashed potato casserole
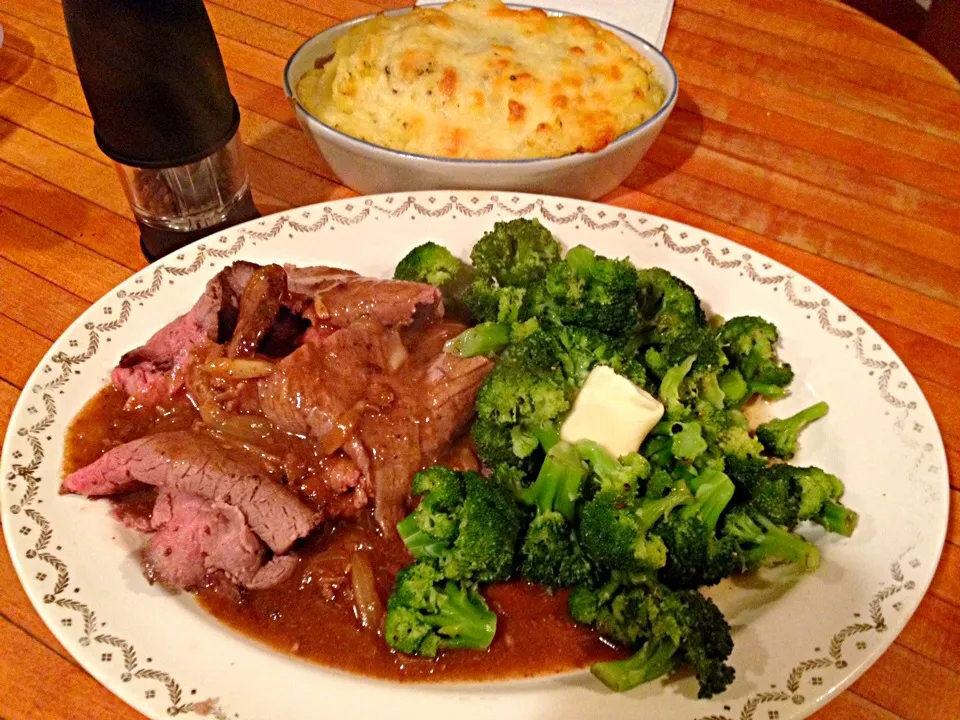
x: 476, y: 79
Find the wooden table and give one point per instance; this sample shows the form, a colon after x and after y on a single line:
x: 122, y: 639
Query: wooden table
x: 804, y: 130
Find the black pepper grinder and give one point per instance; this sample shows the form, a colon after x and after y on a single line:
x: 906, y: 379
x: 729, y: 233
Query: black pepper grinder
x: 154, y: 79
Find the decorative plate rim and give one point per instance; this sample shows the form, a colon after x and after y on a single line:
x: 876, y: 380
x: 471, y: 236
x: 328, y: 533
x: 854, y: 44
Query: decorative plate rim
x: 465, y: 202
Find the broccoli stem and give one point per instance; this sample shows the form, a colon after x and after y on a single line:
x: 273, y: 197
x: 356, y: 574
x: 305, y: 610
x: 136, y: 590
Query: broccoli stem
x: 653, y: 510
x: 768, y: 544
x: 779, y: 436
x: 734, y: 388
x: 486, y: 338
x: 603, y: 462
x: 653, y: 660
x: 419, y: 543
x: 836, y: 518
x: 463, y: 618
x: 713, y: 491
x: 559, y: 482
x: 669, y: 392
x: 547, y: 434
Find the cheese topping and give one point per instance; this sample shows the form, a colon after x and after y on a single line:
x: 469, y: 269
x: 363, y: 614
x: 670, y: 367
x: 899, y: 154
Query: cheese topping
x: 611, y: 411
x: 475, y: 79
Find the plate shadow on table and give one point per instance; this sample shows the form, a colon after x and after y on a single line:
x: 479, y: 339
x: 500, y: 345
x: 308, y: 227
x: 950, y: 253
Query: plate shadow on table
x: 686, y: 125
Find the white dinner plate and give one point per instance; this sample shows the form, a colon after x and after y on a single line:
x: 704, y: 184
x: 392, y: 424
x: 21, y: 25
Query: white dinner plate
x: 799, y: 640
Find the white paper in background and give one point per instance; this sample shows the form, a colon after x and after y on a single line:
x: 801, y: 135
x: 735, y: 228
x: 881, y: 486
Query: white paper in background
x: 646, y: 18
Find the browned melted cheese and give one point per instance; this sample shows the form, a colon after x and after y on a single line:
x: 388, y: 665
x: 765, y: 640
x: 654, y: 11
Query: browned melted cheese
x: 475, y: 79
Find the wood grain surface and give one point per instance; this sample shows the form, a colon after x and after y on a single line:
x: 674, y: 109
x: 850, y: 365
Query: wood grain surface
x: 804, y: 130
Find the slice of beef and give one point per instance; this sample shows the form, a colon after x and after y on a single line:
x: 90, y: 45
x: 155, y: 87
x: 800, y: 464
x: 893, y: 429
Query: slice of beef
x: 449, y: 391
x: 135, y: 508
x: 195, y: 463
x: 195, y: 536
x: 393, y: 440
x: 336, y: 488
x: 316, y: 384
x: 342, y: 296
x: 153, y: 372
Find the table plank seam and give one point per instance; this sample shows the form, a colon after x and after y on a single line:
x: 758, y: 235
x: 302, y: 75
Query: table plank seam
x: 56, y: 650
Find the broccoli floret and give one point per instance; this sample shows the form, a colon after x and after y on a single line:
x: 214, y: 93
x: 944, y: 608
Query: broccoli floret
x: 427, y: 613
x: 668, y: 306
x: 435, y: 265
x: 536, y: 381
x: 559, y: 484
x: 615, y: 528
x: 787, y: 494
x: 670, y: 385
x: 750, y: 344
x: 516, y: 252
x: 551, y: 554
x: 586, y: 290
x: 734, y: 387
x: 764, y: 543
x: 608, y: 473
x: 666, y: 628
x: 695, y: 555
x: 527, y: 386
x: 779, y: 436
x: 674, y: 441
x: 550, y: 551
x: 466, y: 525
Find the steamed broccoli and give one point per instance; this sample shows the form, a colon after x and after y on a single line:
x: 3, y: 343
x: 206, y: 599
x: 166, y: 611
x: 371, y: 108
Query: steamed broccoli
x: 550, y: 552
x: 432, y: 264
x: 487, y: 338
x: 695, y: 555
x: 615, y: 528
x: 779, y: 436
x: 466, y: 525
x: 750, y: 344
x: 427, y: 612
x: 666, y: 628
x: 762, y: 542
x: 516, y: 252
x: 669, y: 308
x: 618, y: 475
x: 787, y: 494
x: 534, y: 385
x: 587, y: 290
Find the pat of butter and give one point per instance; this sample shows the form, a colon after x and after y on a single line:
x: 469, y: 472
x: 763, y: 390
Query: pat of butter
x: 611, y: 411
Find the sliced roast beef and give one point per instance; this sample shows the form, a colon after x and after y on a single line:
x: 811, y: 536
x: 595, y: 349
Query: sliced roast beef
x: 450, y: 390
x: 153, y: 372
x: 342, y: 296
x: 336, y: 488
x: 319, y: 382
x: 195, y: 463
x: 195, y: 536
x: 393, y: 440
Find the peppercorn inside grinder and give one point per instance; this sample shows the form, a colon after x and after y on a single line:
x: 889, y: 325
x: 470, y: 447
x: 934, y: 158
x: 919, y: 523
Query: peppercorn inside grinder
x: 162, y: 109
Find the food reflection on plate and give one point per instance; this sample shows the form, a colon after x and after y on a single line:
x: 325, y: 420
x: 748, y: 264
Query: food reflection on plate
x: 433, y: 476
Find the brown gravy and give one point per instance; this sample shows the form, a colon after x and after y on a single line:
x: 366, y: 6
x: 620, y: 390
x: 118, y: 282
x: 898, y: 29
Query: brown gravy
x: 535, y: 635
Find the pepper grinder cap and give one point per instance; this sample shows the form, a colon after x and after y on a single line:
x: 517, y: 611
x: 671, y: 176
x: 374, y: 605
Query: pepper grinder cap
x: 153, y: 78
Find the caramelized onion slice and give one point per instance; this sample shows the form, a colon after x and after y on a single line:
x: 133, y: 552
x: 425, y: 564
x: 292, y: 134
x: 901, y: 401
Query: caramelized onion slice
x: 366, y: 601
x: 334, y: 439
x: 396, y: 353
x: 238, y: 369
x: 259, y: 305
